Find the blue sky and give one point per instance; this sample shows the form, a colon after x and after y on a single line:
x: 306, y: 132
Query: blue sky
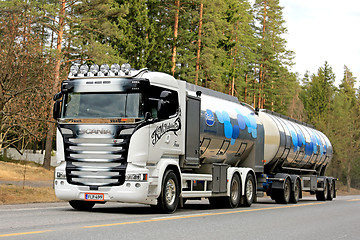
x: 324, y: 30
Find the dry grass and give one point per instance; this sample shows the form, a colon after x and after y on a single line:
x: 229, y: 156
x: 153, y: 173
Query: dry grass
x: 15, y: 172
x: 10, y: 194
x: 342, y: 190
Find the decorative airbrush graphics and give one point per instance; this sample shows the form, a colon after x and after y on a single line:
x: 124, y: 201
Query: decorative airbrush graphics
x: 232, y: 131
x: 311, y: 145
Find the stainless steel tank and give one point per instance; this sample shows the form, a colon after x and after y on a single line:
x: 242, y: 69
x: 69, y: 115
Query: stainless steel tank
x: 292, y: 145
x: 228, y: 130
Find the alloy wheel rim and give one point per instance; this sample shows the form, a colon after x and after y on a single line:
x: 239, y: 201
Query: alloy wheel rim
x: 170, y: 192
x: 249, y: 189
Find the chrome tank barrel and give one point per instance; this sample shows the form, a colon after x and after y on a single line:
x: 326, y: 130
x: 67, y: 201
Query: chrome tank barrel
x: 231, y: 132
x: 293, y: 145
x: 228, y: 131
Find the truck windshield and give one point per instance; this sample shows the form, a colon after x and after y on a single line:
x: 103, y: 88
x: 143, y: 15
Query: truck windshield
x: 103, y: 105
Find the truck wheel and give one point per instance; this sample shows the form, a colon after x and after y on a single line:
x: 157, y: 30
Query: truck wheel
x: 82, y: 205
x: 295, y: 195
x: 170, y: 191
x: 235, y: 192
x: 283, y: 195
x: 332, y: 190
x: 249, y: 195
x: 323, y: 195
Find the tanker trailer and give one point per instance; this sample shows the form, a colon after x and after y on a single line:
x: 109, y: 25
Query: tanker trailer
x: 295, y: 157
x: 287, y: 156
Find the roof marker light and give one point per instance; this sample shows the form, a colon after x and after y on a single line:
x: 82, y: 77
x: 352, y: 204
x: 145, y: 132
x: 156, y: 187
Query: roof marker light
x: 126, y: 68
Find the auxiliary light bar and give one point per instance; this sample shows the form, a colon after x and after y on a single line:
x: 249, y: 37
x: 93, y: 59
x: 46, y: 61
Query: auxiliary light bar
x: 104, y: 70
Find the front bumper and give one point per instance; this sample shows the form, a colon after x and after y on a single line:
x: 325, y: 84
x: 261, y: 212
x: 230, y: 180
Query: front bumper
x: 129, y: 192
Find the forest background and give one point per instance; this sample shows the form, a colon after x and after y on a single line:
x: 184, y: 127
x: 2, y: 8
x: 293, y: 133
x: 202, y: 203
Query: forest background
x: 233, y: 46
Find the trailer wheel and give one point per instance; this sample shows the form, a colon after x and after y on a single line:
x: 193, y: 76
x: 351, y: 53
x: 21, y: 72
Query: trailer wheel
x: 283, y: 195
x: 81, y: 205
x: 170, y: 191
x: 332, y: 190
x: 249, y: 195
x: 323, y: 195
x: 295, y: 195
x: 235, y: 192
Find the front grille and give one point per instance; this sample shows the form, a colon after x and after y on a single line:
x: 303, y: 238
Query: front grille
x: 96, y: 161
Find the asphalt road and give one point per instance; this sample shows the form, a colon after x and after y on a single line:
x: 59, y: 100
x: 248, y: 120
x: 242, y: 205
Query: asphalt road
x: 309, y: 219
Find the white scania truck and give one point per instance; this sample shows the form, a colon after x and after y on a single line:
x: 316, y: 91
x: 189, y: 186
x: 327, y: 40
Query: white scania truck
x: 138, y: 136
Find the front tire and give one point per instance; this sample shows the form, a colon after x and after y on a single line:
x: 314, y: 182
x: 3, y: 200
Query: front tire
x: 82, y: 205
x: 170, y: 191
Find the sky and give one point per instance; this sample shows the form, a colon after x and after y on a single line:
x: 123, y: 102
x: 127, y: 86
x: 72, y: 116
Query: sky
x: 323, y: 30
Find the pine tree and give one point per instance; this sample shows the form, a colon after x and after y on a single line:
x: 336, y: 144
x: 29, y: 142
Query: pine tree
x: 317, y: 96
x: 272, y: 49
x: 240, y: 45
x: 345, y: 128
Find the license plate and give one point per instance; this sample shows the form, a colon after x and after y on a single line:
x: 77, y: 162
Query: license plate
x: 94, y: 197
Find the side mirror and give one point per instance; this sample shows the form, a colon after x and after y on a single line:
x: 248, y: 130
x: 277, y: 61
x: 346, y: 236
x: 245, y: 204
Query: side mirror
x: 163, y: 109
x: 57, y: 109
x: 147, y: 116
x: 57, y: 96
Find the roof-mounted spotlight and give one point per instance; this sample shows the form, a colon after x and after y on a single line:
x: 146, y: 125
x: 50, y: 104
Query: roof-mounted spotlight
x: 125, y: 68
x: 94, y: 69
x: 74, y: 70
x: 84, y: 69
x: 104, y: 69
x: 115, y: 68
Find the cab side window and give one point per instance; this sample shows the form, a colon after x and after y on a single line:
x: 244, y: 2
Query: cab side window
x: 163, y: 103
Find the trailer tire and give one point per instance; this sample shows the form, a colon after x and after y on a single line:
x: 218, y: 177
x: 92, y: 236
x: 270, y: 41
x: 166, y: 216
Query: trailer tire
x: 332, y: 190
x: 295, y: 195
x: 250, y: 191
x: 81, y: 205
x: 323, y: 195
x: 170, y: 191
x: 283, y: 195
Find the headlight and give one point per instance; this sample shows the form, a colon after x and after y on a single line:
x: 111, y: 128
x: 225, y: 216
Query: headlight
x: 136, y: 177
x: 60, y: 175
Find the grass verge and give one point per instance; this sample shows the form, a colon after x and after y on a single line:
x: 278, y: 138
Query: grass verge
x: 11, y: 194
